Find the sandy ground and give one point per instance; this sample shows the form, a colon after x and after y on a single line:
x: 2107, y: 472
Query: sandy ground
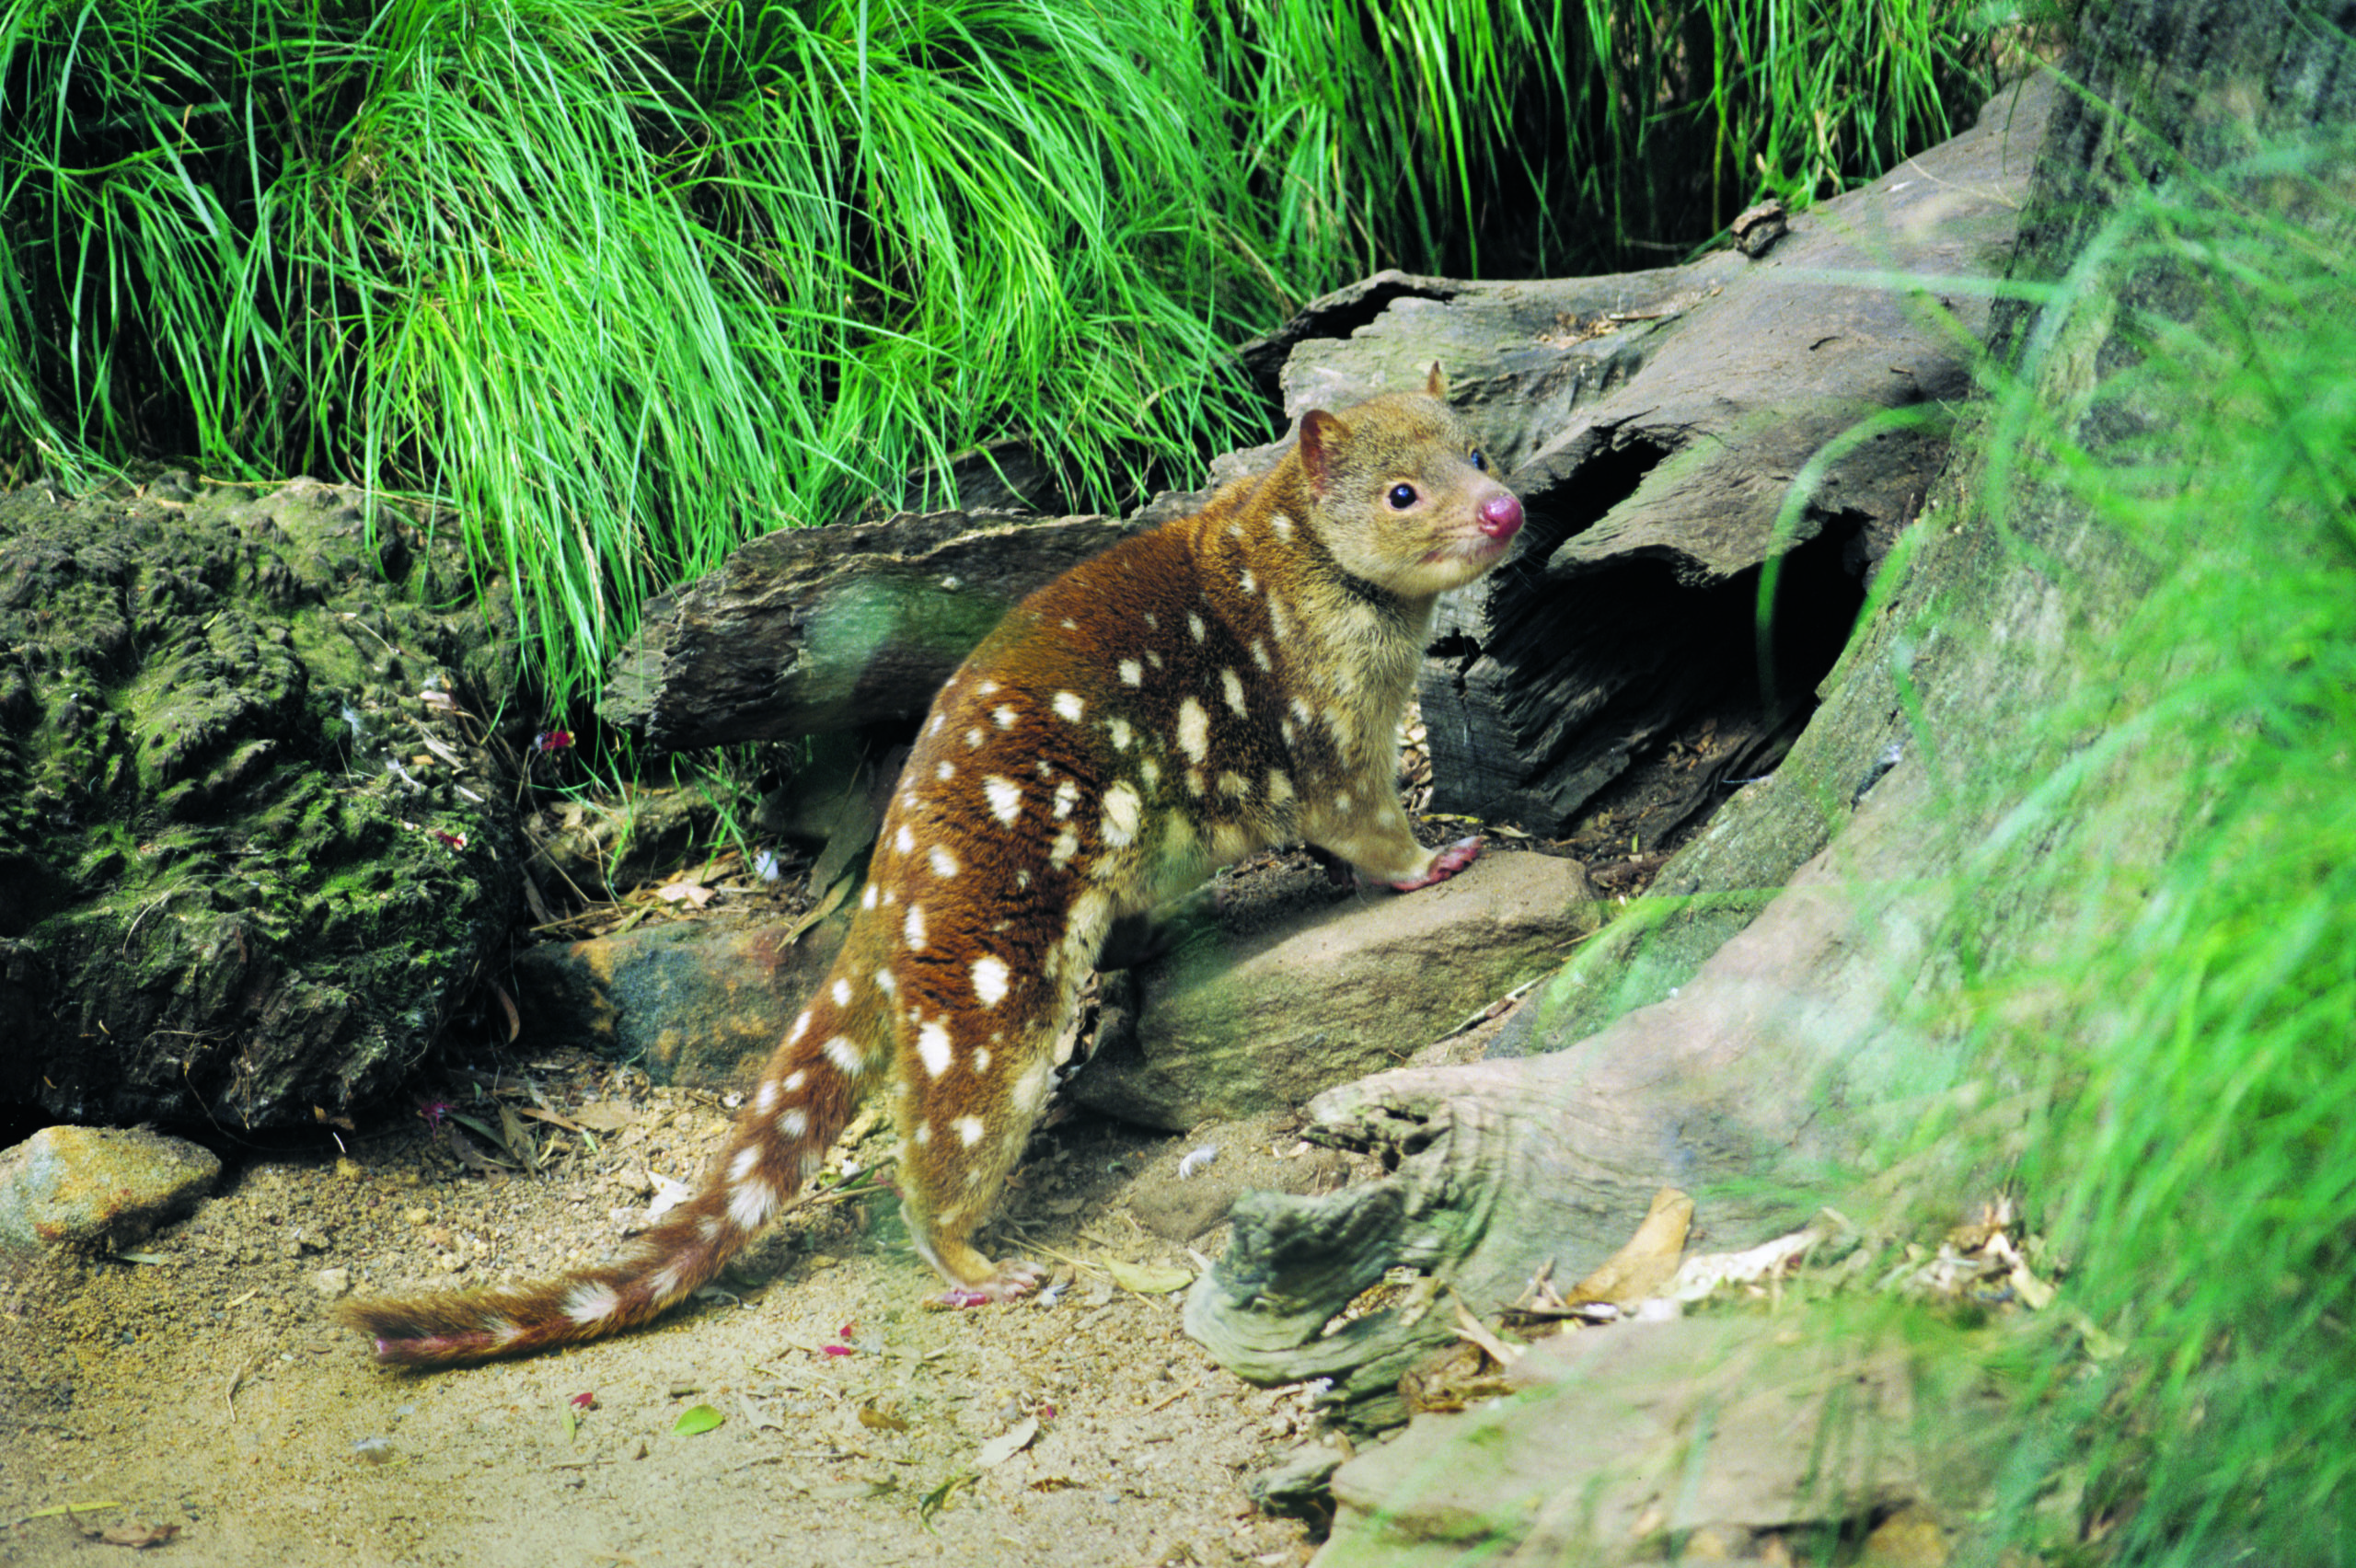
x: 204, y: 1387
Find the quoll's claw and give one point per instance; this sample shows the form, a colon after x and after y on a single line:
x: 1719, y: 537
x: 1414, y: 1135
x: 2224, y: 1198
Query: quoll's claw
x: 1011, y: 1283
x: 1445, y: 864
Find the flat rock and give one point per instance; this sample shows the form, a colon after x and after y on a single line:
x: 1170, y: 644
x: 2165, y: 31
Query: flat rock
x: 1234, y: 1024
x: 1635, y: 1443
x: 98, y: 1187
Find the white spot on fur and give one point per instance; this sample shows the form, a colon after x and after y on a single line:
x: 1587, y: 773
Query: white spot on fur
x: 1278, y: 628
x: 1194, y: 782
x: 1233, y: 784
x: 794, y: 1123
x: 1153, y: 657
x: 796, y: 1079
x: 664, y: 1283
x: 904, y: 840
x: 751, y: 1204
x: 846, y: 1056
x: 742, y: 1166
x: 1151, y: 622
x: 969, y: 1130
x: 1150, y: 770
x: 1123, y: 811
x: 944, y: 864
x: 1132, y: 673
x: 1067, y: 845
x: 766, y: 1101
x: 914, y: 927
x: 924, y: 1133
x: 1005, y: 797
x: 938, y: 720
x: 990, y: 980
x: 1194, y: 730
x: 1280, y: 786
x: 981, y: 1060
x: 933, y: 1048
x: 1068, y: 705
x: 1121, y: 734
x: 842, y: 993
x: 884, y: 983
x: 590, y: 1303
x: 974, y: 738
x: 945, y: 772
x: 867, y: 899
x: 1066, y: 797
x: 1248, y: 583
x: 1260, y: 655
x: 802, y: 1023
x: 1195, y: 626
x: 1232, y: 683
x: 1281, y: 525
x: 1004, y: 716
x: 987, y: 688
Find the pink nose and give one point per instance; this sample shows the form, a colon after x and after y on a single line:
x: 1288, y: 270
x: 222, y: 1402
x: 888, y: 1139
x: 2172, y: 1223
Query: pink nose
x: 1500, y: 515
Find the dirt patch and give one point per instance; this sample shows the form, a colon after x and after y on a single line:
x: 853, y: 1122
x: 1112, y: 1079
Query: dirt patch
x: 205, y: 1388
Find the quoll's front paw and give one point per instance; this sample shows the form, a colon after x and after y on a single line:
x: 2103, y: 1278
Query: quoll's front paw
x: 1013, y: 1282
x: 1445, y: 864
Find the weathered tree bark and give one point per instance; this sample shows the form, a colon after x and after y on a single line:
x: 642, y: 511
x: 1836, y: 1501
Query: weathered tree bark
x: 1654, y: 423
x: 816, y: 629
x: 1769, y: 1048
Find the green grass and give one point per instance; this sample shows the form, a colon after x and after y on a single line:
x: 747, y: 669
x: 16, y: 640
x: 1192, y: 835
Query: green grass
x: 2187, y: 1020
x: 629, y: 283
x: 1458, y: 136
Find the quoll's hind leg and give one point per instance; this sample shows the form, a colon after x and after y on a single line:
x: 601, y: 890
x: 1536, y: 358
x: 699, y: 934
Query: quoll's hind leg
x: 962, y: 1131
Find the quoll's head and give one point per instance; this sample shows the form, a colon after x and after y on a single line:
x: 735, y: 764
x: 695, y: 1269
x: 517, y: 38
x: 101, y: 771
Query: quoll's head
x: 1406, y: 496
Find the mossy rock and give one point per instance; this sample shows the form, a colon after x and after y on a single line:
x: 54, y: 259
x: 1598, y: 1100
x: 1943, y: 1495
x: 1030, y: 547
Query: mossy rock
x: 254, y: 843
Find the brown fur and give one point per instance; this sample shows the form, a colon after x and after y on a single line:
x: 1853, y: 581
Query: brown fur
x: 1229, y: 681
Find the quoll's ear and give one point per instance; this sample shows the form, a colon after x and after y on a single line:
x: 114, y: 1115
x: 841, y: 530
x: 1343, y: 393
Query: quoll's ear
x: 1320, y: 434
x: 1436, y: 385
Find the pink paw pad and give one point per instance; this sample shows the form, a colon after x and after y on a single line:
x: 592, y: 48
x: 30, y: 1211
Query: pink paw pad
x: 1445, y: 864
x: 1011, y: 1283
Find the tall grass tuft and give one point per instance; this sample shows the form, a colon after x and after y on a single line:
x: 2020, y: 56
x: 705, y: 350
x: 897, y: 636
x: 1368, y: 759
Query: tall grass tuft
x: 627, y: 284
x: 2189, y: 1023
x: 1523, y: 138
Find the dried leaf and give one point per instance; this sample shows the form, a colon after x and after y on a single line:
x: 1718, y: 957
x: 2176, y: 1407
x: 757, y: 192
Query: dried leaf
x: 1705, y: 1271
x: 693, y: 893
x: 604, y: 1115
x: 1649, y: 1261
x: 139, y: 1538
x: 837, y: 891
x: 1007, y: 1443
x: 880, y: 1420
x: 1147, y: 1279
x: 520, y: 1144
x: 938, y: 1498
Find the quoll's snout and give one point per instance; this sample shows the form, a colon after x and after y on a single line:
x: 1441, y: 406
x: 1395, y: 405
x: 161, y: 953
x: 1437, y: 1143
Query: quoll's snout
x: 1500, y: 515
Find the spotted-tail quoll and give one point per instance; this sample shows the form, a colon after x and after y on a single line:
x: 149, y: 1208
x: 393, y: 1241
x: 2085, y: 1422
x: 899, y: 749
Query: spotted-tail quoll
x: 1230, y: 680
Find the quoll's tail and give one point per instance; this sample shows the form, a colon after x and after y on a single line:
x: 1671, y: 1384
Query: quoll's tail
x: 805, y: 1099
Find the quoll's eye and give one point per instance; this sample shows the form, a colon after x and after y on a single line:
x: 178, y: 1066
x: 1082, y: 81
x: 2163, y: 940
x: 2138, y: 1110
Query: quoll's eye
x: 1480, y: 460
x: 1401, y: 497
